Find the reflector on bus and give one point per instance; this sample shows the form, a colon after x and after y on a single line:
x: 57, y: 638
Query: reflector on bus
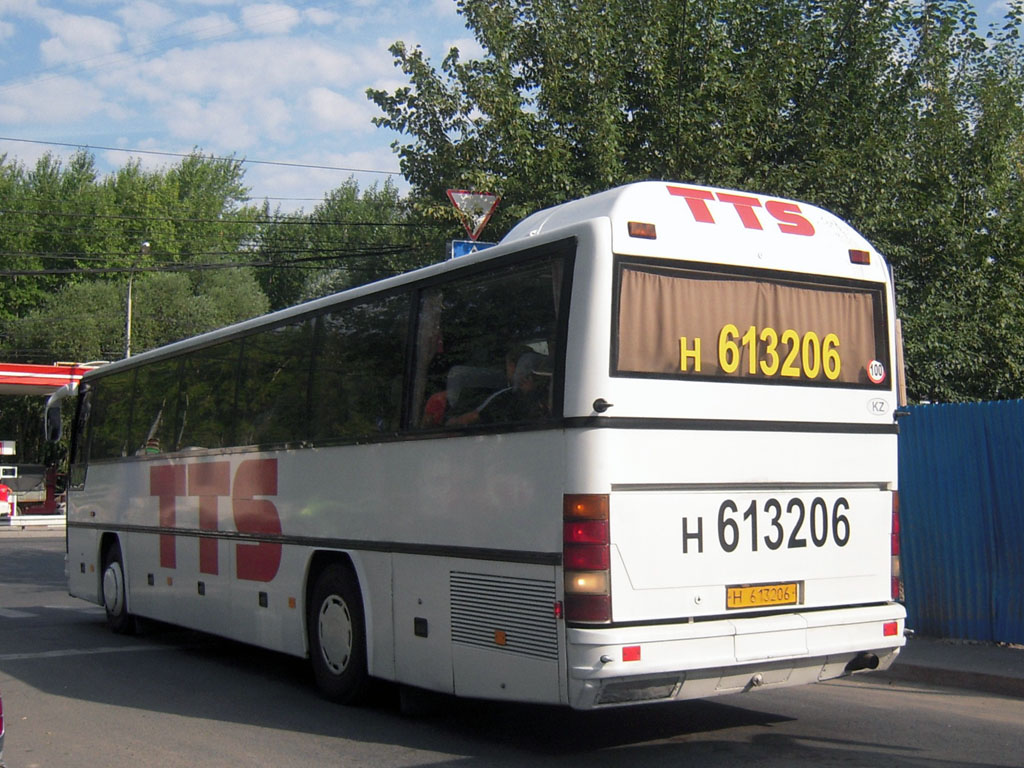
x: 642, y: 229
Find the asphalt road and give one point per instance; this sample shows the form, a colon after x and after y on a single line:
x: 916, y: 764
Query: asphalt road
x: 75, y: 694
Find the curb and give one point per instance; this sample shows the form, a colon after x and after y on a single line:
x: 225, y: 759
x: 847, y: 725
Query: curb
x: 982, y: 682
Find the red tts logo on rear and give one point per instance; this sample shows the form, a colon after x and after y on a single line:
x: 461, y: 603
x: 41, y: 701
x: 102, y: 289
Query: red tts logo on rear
x: 209, y: 482
x: 787, y: 215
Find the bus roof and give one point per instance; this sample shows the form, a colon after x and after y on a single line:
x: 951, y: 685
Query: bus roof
x: 715, y: 225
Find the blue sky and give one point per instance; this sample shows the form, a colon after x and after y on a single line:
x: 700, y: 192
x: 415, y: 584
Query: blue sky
x: 269, y: 81
x: 276, y: 81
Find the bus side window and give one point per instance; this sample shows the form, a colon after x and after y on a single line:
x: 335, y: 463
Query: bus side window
x: 155, y: 408
x: 273, y: 400
x: 477, y: 329
x: 429, y: 392
x: 358, y: 371
x: 109, y: 417
x: 207, y: 398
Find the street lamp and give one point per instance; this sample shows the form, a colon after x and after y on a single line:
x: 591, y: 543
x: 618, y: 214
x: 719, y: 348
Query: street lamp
x: 143, y: 251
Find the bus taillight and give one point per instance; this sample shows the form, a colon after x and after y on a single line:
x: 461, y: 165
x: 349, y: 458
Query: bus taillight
x: 586, y: 558
x: 897, y: 576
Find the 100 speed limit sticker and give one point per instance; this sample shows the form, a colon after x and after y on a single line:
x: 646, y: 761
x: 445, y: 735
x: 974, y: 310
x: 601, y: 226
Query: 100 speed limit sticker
x: 753, y: 525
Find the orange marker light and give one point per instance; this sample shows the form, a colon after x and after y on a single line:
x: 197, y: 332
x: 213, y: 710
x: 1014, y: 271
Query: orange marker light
x: 642, y: 229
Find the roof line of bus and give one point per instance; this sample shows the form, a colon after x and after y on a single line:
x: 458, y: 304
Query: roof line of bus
x: 280, y: 316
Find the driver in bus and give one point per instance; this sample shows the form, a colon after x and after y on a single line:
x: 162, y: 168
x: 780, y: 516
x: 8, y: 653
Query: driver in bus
x: 525, y: 397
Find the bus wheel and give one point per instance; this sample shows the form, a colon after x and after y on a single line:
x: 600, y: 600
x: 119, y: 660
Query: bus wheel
x: 337, y: 636
x: 114, y: 599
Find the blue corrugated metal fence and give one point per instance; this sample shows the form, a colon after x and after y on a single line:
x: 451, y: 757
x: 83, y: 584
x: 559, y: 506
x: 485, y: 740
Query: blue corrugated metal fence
x: 962, y: 515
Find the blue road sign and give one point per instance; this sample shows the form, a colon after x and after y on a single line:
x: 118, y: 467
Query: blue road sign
x: 466, y: 247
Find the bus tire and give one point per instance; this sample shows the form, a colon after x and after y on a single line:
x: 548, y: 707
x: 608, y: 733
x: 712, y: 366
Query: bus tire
x: 337, y: 636
x: 115, y: 601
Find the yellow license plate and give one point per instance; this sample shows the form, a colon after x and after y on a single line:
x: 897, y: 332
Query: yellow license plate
x: 761, y: 595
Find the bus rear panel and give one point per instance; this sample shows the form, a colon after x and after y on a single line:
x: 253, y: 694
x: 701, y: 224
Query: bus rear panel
x: 733, y: 450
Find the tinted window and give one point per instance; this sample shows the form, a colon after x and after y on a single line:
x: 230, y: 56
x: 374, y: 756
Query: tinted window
x: 109, y: 414
x: 79, y: 437
x: 484, y: 354
x: 359, y: 369
x: 273, y: 402
x: 486, y: 346
x: 207, y: 404
x: 155, y: 423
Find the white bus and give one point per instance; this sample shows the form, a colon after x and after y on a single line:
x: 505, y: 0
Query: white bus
x: 642, y: 450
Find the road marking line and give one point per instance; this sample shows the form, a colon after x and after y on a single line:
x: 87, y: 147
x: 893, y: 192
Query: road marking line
x: 11, y: 613
x: 82, y: 608
x: 81, y: 652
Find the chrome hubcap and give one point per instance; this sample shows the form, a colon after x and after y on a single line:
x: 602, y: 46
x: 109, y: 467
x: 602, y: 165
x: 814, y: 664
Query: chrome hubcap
x: 335, y: 634
x: 113, y: 589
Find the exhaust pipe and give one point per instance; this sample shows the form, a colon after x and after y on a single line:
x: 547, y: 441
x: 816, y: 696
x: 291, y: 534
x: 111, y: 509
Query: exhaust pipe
x: 862, y: 661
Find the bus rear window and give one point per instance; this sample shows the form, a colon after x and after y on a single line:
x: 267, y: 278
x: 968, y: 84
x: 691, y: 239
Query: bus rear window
x: 684, y: 322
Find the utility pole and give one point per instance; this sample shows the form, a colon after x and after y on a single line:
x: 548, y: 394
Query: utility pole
x: 143, y: 252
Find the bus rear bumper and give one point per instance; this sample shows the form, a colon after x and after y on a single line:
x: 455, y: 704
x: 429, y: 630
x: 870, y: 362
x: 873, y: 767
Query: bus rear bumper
x: 632, y: 665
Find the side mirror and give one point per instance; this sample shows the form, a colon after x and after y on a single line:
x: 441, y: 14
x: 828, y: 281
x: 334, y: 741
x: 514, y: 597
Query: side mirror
x: 52, y: 427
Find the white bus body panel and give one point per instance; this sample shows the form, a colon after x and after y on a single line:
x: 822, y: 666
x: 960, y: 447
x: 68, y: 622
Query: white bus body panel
x: 425, y: 522
x: 380, y: 503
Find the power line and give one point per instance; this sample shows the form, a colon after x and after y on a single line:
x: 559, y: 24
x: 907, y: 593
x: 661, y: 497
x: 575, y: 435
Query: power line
x: 280, y: 163
x: 301, y: 263
x: 262, y: 250
x: 303, y: 221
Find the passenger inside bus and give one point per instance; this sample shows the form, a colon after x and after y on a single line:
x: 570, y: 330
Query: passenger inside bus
x: 522, y: 398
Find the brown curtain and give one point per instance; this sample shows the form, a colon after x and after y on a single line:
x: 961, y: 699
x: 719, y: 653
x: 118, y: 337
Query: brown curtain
x: 656, y: 311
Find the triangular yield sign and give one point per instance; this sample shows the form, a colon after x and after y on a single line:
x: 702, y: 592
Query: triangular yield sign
x: 475, y: 207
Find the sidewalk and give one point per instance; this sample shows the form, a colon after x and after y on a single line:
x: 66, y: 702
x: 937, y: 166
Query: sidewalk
x: 50, y: 524
x: 985, y: 667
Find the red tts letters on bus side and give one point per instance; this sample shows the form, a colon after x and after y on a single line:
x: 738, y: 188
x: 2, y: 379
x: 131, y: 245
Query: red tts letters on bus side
x: 209, y: 482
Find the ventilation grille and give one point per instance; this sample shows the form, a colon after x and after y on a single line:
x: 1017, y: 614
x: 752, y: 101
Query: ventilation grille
x: 502, y: 613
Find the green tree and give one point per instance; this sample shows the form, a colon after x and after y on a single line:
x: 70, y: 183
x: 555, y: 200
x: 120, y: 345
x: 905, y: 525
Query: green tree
x: 902, y: 118
x: 46, y: 216
x: 86, y: 321
x: 350, y: 238
x: 79, y: 236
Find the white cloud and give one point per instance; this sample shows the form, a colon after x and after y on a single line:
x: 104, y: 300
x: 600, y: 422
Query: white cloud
x: 6, y: 30
x: 390, y: 84
x: 144, y: 18
x: 114, y: 159
x: 270, y: 18
x: 225, y: 125
x: 209, y: 26
x: 24, y: 154
x: 333, y: 111
x: 320, y: 17
x: 78, y: 38
x: 307, y: 186
x: 445, y: 8
x: 468, y: 47
x: 54, y: 100
x: 247, y: 69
